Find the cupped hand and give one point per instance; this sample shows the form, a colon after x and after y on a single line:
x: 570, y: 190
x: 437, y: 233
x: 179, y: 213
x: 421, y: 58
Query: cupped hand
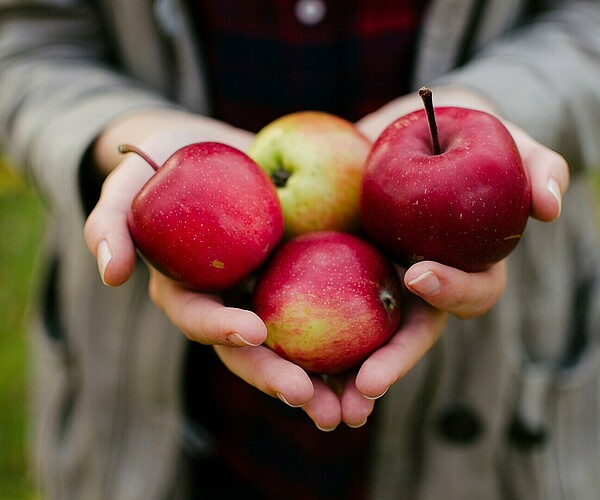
x: 205, y: 319
x: 201, y: 317
x: 346, y: 398
x: 159, y: 133
x: 438, y: 289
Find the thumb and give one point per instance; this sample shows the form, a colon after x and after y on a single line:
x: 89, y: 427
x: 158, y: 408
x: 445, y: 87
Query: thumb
x: 106, y: 231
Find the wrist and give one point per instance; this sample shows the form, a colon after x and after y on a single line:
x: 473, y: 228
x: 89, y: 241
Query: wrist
x: 451, y: 95
x: 160, y: 132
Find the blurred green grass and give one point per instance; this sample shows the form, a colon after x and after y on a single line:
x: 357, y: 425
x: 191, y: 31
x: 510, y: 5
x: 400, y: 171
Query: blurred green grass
x: 21, y: 226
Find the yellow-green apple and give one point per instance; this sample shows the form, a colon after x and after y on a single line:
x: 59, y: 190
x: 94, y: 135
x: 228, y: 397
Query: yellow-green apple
x: 315, y: 160
x: 460, y: 197
x: 207, y: 218
x: 328, y: 299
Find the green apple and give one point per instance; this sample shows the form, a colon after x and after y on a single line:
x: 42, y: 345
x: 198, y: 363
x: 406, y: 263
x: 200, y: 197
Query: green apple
x: 315, y: 160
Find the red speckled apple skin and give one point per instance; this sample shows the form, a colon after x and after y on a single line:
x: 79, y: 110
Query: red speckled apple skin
x: 466, y: 207
x: 207, y: 218
x: 328, y: 299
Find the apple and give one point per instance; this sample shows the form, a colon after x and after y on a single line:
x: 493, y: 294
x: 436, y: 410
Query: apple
x: 328, y: 299
x: 316, y: 161
x: 207, y: 218
x: 460, y: 197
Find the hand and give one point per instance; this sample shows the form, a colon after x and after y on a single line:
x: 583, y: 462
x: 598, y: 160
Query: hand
x: 158, y: 133
x: 201, y: 317
x: 348, y: 398
x: 237, y: 332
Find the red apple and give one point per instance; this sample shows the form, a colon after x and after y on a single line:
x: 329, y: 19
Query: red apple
x: 207, y: 218
x: 316, y: 161
x: 461, y: 198
x: 328, y: 299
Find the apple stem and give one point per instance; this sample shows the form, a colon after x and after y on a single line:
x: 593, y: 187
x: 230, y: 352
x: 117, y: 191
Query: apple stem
x: 427, y: 98
x: 280, y: 177
x: 128, y: 148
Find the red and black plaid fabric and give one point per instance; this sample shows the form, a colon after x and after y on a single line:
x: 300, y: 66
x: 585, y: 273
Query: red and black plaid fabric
x: 264, y: 63
x: 264, y: 449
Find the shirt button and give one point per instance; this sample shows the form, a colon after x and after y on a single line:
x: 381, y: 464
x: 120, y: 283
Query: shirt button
x: 310, y: 12
x: 460, y: 425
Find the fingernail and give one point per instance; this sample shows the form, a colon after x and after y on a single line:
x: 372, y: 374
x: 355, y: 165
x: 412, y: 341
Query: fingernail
x: 357, y: 426
x: 554, y: 189
x: 238, y: 340
x: 325, y: 429
x: 376, y: 397
x: 426, y: 284
x: 282, y: 398
x: 104, y: 257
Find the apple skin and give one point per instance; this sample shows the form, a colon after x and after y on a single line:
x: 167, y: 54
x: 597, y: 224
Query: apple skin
x: 207, y: 218
x: 316, y: 160
x: 466, y: 207
x: 328, y: 299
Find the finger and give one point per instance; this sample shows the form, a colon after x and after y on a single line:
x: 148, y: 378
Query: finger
x: 106, y: 232
x: 355, y: 407
x: 262, y: 368
x: 466, y: 295
x: 324, y: 408
x: 547, y: 186
x: 548, y: 174
x: 420, y: 330
x: 202, y: 317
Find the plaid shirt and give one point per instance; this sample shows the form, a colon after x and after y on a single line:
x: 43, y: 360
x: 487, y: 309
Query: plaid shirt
x: 265, y: 63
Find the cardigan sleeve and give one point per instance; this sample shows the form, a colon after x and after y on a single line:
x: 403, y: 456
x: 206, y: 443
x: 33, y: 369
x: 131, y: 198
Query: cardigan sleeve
x: 545, y: 77
x: 58, y: 91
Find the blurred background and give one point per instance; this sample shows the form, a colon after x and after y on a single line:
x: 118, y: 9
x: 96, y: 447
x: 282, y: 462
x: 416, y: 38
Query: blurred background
x: 21, y: 226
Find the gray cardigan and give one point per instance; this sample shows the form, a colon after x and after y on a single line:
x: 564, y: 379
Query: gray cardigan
x: 505, y: 406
